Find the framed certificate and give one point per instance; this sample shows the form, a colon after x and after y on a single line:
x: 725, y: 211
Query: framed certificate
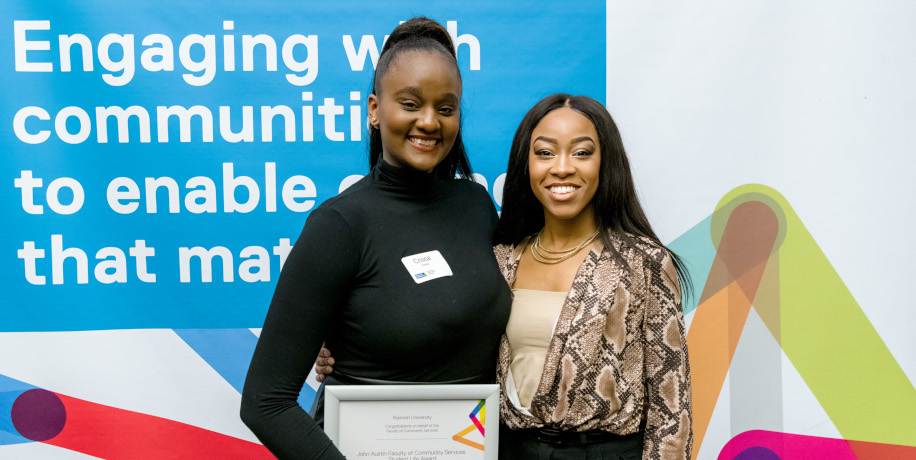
x: 413, y: 422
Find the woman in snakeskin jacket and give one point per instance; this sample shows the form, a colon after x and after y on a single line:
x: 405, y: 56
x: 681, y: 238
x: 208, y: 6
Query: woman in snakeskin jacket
x: 594, y: 360
x: 594, y: 363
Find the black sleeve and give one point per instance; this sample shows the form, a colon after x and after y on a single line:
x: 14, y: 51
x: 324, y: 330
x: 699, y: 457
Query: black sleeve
x: 315, y: 278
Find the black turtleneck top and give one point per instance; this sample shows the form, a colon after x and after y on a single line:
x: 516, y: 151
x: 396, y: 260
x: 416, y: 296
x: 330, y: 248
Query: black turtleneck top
x: 344, y: 283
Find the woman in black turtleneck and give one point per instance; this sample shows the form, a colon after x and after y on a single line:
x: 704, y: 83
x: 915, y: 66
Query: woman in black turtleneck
x: 400, y: 264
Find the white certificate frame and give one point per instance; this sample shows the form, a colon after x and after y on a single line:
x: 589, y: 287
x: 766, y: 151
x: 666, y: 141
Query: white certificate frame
x: 334, y: 394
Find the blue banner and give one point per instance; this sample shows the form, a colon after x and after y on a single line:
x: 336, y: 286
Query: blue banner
x: 161, y: 157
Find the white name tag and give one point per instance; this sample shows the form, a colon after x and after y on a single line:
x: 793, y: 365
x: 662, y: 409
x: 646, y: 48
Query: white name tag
x: 426, y: 266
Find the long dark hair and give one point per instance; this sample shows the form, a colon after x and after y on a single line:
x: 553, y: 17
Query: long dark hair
x: 426, y: 35
x: 617, y: 207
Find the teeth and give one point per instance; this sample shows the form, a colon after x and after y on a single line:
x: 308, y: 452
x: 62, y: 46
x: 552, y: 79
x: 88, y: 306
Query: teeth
x: 560, y: 189
x: 426, y: 142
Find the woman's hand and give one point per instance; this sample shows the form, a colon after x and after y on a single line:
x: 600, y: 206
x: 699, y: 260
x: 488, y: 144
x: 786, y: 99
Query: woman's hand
x: 323, y: 364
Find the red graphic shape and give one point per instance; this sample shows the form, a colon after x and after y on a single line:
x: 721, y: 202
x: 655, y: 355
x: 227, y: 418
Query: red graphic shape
x: 112, y: 433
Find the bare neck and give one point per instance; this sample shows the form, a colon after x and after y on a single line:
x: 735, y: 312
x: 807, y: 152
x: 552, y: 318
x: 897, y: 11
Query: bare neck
x: 563, y: 233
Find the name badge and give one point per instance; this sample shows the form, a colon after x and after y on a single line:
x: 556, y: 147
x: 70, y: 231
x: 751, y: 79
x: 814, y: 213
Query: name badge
x: 426, y: 266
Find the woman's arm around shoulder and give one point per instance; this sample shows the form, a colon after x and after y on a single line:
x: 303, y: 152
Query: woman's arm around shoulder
x: 503, y: 252
x: 313, y: 281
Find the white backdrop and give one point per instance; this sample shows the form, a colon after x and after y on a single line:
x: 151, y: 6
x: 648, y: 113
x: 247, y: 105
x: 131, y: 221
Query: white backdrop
x: 815, y: 99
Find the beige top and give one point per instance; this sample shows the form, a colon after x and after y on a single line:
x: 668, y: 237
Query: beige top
x: 531, y: 322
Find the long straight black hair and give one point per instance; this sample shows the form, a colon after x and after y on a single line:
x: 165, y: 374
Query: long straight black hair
x: 421, y: 34
x: 617, y: 207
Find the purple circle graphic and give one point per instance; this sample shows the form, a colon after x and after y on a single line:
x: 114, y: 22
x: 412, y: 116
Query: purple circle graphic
x: 757, y: 453
x: 38, y: 415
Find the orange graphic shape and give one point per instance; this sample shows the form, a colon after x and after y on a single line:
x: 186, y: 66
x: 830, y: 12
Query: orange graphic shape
x: 742, y: 256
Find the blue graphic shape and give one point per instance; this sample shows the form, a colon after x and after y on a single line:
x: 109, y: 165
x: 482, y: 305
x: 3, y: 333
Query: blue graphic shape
x: 10, y: 389
x: 228, y: 352
x: 696, y: 249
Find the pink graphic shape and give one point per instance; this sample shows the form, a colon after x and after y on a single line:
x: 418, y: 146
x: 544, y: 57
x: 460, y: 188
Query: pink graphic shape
x: 477, y: 424
x: 763, y: 445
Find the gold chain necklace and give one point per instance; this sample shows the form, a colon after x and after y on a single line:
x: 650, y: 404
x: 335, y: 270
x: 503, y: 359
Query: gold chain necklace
x: 546, y: 256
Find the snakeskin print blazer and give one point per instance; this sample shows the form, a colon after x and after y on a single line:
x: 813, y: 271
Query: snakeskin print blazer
x: 618, y: 356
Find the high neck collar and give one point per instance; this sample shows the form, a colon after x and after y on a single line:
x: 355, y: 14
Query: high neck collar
x: 407, y: 181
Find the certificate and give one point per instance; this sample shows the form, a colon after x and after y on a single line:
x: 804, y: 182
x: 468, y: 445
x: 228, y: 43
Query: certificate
x: 413, y: 422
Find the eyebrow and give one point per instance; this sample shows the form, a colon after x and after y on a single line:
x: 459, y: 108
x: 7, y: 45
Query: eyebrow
x: 554, y: 141
x: 414, y: 91
x: 409, y: 90
x: 545, y: 139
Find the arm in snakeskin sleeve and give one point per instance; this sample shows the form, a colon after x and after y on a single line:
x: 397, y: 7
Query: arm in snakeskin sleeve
x: 669, y: 433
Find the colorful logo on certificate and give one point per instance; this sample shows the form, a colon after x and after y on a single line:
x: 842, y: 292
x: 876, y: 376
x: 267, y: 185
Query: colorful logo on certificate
x: 476, y: 425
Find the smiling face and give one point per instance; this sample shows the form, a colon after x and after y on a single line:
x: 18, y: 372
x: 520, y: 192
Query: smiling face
x: 564, y: 163
x: 417, y: 110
